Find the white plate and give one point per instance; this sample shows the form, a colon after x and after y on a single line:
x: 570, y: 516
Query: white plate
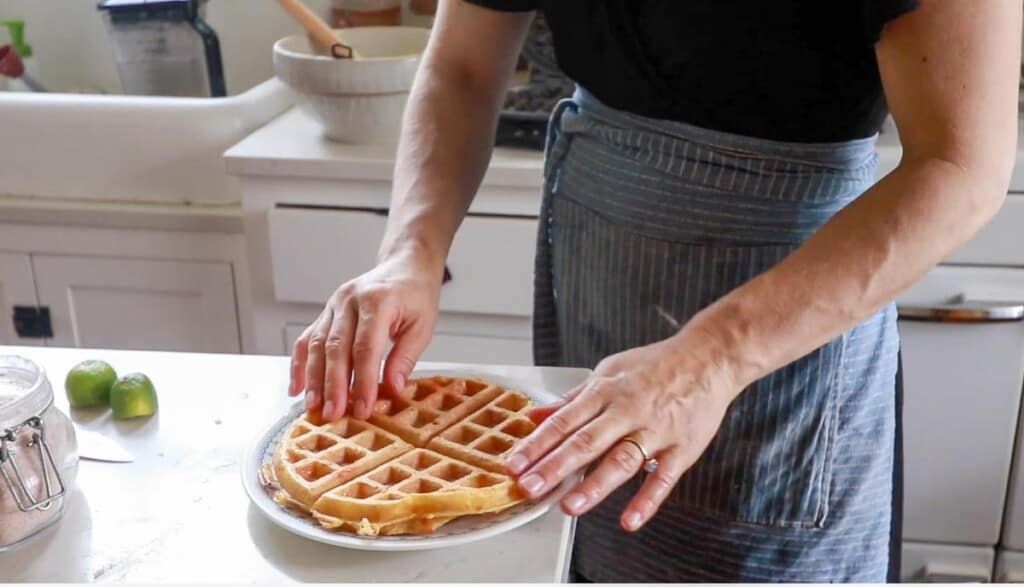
x: 461, y: 531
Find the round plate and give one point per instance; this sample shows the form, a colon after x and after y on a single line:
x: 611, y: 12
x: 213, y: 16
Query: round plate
x: 461, y: 531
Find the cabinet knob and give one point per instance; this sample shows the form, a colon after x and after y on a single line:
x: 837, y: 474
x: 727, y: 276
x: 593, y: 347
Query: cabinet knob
x: 32, y: 322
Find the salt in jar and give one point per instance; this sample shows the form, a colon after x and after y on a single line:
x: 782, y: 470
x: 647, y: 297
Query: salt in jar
x: 38, y: 453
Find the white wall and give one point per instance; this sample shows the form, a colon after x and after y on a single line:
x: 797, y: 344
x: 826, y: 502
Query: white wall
x: 72, y: 52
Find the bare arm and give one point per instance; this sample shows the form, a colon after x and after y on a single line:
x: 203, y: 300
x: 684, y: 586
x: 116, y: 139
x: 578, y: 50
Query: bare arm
x: 950, y: 73
x: 443, y: 153
x: 449, y: 127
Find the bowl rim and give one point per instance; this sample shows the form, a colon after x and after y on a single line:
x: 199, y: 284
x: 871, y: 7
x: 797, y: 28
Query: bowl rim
x: 278, y: 47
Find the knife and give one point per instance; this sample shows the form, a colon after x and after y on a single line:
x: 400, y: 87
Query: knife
x: 96, y: 447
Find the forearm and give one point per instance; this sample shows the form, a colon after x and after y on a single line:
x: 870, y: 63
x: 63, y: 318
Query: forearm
x: 444, y: 152
x: 859, y: 261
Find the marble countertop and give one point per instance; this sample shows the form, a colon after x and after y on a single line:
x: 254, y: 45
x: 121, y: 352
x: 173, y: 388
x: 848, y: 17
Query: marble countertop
x: 179, y: 513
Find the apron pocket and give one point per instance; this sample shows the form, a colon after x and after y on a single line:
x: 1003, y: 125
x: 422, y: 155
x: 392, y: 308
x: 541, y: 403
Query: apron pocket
x: 615, y: 289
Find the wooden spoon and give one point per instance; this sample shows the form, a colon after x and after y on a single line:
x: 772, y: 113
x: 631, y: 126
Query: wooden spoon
x: 329, y: 39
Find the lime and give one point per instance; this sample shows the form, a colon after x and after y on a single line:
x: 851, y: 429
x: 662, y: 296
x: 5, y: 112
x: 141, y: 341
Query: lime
x: 133, y: 396
x: 88, y: 384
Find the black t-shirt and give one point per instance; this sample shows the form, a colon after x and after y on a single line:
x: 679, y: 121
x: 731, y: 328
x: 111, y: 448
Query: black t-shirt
x: 789, y: 70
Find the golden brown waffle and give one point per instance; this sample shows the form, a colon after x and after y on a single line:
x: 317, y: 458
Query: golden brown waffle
x: 313, y: 459
x: 429, y: 456
x: 428, y: 406
x: 486, y: 438
x: 411, y: 525
x: 421, y: 484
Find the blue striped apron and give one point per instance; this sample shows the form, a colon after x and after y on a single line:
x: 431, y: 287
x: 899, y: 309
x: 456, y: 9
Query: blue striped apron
x: 644, y: 223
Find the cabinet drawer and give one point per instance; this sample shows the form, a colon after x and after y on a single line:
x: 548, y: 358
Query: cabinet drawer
x: 491, y: 260
x: 963, y: 388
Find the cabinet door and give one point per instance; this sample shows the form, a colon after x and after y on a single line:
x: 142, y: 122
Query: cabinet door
x: 139, y: 304
x: 963, y: 358
x: 16, y: 289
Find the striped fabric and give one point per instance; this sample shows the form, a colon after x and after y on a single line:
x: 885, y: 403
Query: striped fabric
x: 647, y: 222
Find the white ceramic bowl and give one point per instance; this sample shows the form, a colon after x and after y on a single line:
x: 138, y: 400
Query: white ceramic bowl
x: 356, y: 101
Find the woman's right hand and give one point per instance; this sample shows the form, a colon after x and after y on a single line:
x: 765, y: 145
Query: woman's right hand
x: 336, y: 361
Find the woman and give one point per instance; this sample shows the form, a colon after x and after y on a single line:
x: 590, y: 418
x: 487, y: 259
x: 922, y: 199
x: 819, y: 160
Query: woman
x: 712, y: 244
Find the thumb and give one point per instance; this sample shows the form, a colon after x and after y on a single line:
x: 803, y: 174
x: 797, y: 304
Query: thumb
x: 408, y: 347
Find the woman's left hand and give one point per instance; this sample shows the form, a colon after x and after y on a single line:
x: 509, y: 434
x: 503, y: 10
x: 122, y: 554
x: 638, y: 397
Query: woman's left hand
x: 659, y: 395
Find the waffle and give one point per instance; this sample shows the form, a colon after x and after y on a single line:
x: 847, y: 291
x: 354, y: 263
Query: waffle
x: 410, y: 525
x: 312, y: 459
x: 419, y: 485
x: 431, y: 405
x: 429, y: 456
x: 486, y: 438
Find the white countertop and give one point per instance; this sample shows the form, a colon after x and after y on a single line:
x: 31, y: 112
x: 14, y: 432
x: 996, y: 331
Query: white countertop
x: 293, y: 145
x: 179, y: 512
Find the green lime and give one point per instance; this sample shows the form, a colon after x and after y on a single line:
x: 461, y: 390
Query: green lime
x: 88, y: 384
x: 133, y: 396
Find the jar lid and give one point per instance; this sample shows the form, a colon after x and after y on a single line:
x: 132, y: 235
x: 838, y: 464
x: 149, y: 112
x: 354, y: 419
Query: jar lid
x: 24, y: 390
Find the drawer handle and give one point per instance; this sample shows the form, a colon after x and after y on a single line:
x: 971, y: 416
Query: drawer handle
x: 963, y: 310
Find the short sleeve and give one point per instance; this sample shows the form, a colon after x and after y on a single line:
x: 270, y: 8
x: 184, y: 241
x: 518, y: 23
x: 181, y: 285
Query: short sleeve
x: 878, y: 13
x: 508, y: 5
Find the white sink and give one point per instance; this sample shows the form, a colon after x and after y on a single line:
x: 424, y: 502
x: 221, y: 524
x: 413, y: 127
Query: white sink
x: 128, y: 148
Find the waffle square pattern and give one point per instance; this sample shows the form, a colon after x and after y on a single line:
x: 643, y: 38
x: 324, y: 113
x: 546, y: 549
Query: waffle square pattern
x: 421, y: 460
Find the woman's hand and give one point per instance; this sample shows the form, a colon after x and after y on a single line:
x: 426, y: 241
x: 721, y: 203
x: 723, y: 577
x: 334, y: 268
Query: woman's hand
x: 665, y: 398
x: 336, y: 361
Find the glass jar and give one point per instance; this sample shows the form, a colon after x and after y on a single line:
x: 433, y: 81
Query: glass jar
x: 356, y: 13
x: 38, y: 453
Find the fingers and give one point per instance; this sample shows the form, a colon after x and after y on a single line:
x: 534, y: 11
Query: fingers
x: 619, y: 465
x: 371, y: 337
x: 671, y: 465
x: 315, y: 361
x: 555, y: 429
x: 409, y: 345
x: 300, y: 350
x: 575, y: 452
x: 338, y: 363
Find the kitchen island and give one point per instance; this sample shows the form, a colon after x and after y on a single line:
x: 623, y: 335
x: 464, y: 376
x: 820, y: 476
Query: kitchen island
x: 179, y: 513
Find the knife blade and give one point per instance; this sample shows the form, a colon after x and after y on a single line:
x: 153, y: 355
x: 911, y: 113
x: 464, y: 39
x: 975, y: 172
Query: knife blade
x: 96, y: 447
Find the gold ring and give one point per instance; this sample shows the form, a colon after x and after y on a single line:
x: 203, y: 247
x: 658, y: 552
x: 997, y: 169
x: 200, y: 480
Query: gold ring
x: 650, y: 464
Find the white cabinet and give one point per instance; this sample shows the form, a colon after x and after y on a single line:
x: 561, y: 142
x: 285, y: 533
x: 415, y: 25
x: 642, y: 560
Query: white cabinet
x: 121, y: 288
x: 490, y: 262
x: 963, y: 358
x: 139, y: 304
x: 16, y: 289
x: 485, y: 304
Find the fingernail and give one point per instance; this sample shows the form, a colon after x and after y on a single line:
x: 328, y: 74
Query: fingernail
x: 517, y: 463
x: 532, y: 483
x: 310, y: 399
x: 575, y: 502
x: 360, y: 410
x: 328, y: 410
x: 632, y: 521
